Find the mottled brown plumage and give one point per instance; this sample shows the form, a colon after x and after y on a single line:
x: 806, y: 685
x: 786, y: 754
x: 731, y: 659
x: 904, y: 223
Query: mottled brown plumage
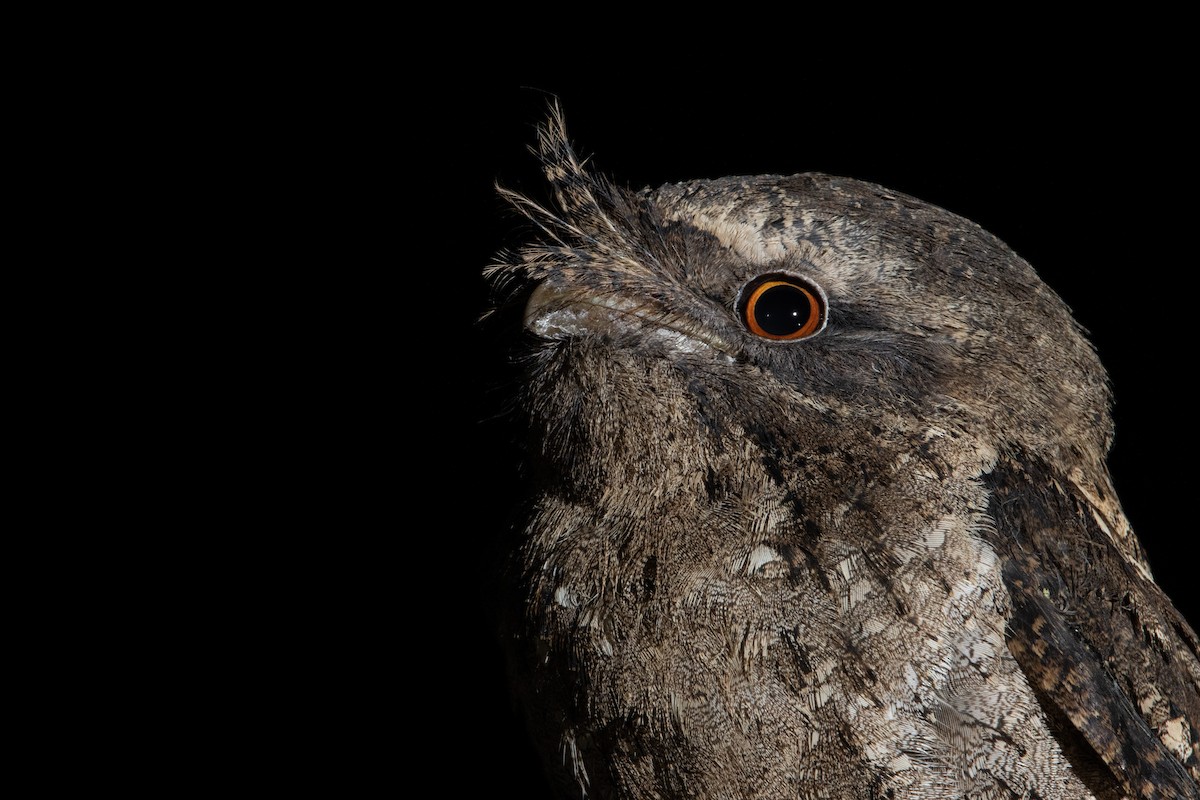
x: 883, y: 560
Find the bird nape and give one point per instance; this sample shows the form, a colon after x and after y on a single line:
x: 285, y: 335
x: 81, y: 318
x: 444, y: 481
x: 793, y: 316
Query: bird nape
x: 818, y: 507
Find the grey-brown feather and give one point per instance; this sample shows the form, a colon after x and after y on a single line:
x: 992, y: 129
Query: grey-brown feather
x: 826, y: 568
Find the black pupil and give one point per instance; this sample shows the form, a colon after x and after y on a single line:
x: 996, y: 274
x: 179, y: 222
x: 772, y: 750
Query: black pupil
x: 782, y: 310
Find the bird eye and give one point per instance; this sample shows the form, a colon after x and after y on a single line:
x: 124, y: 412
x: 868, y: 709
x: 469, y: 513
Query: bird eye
x: 782, y: 307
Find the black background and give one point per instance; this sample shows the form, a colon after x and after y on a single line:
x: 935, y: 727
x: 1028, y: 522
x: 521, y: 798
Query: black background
x: 1087, y: 176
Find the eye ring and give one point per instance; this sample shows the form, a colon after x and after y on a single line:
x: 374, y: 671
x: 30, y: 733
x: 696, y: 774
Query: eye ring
x: 782, y: 307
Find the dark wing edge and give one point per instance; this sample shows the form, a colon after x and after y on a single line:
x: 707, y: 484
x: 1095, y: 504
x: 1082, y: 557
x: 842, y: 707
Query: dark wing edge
x: 1115, y: 665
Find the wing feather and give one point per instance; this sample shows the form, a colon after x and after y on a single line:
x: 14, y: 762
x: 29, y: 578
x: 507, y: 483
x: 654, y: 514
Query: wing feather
x: 1097, y: 639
